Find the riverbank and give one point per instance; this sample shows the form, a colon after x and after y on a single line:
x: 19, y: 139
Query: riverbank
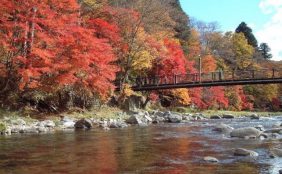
x: 108, y: 118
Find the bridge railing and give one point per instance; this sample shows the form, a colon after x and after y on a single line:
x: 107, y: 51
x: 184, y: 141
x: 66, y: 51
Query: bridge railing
x: 216, y: 76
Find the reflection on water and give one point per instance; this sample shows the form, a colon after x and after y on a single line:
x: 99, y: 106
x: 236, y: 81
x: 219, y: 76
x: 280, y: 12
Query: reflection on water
x: 164, y: 149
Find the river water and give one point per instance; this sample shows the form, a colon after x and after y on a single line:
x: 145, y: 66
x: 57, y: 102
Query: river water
x: 163, y: 149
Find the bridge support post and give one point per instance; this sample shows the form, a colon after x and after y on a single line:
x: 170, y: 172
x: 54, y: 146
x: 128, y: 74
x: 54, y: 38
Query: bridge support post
x: 174, y: 78
x: 200, y: 68
x: 233, y: 74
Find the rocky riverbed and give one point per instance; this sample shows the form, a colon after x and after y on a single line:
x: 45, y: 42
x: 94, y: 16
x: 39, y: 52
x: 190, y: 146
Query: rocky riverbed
x: 17, y: 125
x: 217, y: 139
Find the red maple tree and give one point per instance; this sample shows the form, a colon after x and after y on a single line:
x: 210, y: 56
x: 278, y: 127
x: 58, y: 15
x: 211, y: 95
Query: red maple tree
x: 50, y: 41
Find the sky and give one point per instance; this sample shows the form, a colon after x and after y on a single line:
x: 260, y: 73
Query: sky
x: 263, y: 16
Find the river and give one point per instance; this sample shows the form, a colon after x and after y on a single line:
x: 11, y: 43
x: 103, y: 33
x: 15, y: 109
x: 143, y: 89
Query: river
x: 163, y: 148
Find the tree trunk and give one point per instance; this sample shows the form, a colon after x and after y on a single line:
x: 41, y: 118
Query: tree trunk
x: 31, y: 30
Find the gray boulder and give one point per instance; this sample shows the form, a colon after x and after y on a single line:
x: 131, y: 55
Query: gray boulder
x: 159, y: 114
x: 68, y: 124
x: 186, y: 118
x: 30, y: 130
x: 254, y: 117
x: 103, y: 124
x: 273, y: 135
x: 223, y: 128
x: 275, y: 152
x: 197, y: 117
x: 48, y: 123
x: 117, y: 124
x: 113, y: 125
x: 139, y: 118
x: 42, y: 129
x: 245, y: 132
x: 215, y: 117
x: 16, y: 129
x: 260, y: 127
x: 211, y: 159
x: 263, y: 136
x: 174, y: 118
x: 6, y: 131
x: 83, y: 124
x: 65, y: 119
x: 158, y: 119
x: 148, y: 119
x: 277, y: 125
x: 275, y: 130
x: 143, y: 124
x: 228, y: 116
x: 134, y: 119
x: 245, y: 152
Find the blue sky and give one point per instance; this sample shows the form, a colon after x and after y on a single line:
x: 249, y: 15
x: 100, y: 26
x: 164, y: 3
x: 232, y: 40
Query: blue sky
x: 263, y: 16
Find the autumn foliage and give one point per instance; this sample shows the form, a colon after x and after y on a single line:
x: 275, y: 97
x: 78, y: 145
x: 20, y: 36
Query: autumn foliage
x: 75, y: 51
x: 49, y: 42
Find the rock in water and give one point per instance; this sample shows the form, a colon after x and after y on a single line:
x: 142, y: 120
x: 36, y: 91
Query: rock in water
x: 31, y: 130
x: 275, y: 130
x: 277, y: 125
x: 148, y: 119
x: 173, y: 118
x: 245, y: 152
x: 134, y: 119
x: 211, y: 159
x: 280, y: 171
x: 69, y: 124
x: 83, y: 124
x: 117, y: 124
x: 158, y: 119
x: 215, y: 117
x: 245, y: 132
x: 275, y: 152
x: 223, y: 128
x: 228, y: 116
x: 42, y: 129
x: 254, y: 117
x: 260, y: 127
x: 48, y: 123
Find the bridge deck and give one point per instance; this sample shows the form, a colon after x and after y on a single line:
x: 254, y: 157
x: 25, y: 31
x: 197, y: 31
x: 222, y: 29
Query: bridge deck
x: 226, y: 78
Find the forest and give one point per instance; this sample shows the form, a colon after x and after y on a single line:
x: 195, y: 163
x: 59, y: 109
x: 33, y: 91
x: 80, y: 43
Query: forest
x: 56, y: 55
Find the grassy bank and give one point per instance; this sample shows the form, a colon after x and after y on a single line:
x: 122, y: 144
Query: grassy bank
x: 114, y: 113
x: 241, y: 113
x: 222, y: 112
x: 98, y: 113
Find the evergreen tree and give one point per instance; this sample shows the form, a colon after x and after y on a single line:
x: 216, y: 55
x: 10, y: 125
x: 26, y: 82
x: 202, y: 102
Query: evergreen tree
x: 248, y: 32
x: 265, y: 51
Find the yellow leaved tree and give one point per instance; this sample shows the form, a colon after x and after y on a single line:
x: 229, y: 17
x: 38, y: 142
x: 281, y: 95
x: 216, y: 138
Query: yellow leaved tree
x: 242, y: 50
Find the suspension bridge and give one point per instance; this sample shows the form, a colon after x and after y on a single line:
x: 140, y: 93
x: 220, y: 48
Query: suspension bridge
x: 210, y: 79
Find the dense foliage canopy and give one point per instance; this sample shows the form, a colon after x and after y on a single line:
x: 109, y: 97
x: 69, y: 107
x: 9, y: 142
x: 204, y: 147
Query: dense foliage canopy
x: 57, y: 54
